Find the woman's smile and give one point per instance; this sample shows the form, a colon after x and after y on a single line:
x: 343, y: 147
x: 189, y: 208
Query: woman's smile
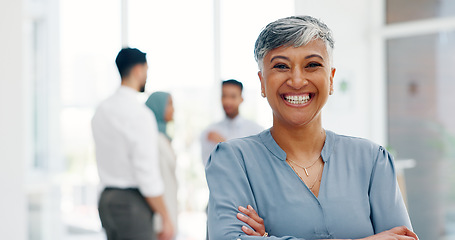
x: 297, y: 100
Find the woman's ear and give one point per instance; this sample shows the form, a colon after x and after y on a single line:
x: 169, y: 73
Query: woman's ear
x: 261, y: 79
x: 332, y: 75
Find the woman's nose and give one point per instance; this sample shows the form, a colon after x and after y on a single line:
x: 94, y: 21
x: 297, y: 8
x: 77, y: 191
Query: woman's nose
x: 297, y: 80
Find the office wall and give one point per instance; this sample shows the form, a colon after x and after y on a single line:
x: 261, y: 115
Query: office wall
x: 12, y: 123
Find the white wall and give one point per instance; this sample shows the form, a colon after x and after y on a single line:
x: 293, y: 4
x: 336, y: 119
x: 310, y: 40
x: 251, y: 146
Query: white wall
x: 12, y: 123
x: 359, y: 110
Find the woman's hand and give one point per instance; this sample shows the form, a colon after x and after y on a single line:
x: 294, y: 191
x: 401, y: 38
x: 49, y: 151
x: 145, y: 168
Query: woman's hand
x: 253, y: 220
x: 397, y: 233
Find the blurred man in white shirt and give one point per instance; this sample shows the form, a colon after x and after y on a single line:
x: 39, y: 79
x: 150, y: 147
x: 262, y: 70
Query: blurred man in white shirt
x: 233, y: 125
x: 125, y: 134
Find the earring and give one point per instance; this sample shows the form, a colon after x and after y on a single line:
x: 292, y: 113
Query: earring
x: 263, y: 94
x: 331, y: 92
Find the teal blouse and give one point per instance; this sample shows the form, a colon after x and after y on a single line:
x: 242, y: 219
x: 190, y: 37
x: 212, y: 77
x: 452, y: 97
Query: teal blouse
x: 358, y: 197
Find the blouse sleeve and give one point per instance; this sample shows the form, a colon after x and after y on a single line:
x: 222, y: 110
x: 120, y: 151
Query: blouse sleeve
x: 386, y: 202
x: 229, y: 187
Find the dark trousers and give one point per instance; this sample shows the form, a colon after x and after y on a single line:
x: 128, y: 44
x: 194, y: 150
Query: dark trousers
x: 125, y: 215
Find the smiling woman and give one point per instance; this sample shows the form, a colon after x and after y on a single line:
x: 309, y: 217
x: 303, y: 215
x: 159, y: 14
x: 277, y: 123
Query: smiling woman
x: 290, y: 75
x: 299, y: 180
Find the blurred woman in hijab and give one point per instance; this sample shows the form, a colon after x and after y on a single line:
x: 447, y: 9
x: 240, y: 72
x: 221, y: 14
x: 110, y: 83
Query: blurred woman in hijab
x: 161, y: 105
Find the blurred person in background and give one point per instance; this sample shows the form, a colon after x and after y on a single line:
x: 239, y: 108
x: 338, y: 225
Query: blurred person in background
x: 297, y: 180
x: 233, y: 125
x: 126, y: 140
x: 161, y: 105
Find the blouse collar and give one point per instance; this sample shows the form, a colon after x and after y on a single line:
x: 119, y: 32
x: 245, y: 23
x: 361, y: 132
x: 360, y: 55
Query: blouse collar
x: 274, y: 148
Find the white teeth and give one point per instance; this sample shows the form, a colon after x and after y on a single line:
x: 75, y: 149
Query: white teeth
x: 297, y: 99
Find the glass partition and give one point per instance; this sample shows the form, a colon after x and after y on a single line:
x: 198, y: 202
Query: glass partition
x: 421, y: 126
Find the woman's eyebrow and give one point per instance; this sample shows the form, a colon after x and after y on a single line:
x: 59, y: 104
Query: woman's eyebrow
x: 279, y: 57
x: 314, y: 55
x: 306, y: 57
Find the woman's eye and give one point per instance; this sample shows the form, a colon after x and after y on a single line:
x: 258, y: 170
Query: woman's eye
x: 313, y: 65
x: 280, y: 66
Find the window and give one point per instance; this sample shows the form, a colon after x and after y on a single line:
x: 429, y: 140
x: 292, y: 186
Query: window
x: 89, y: 40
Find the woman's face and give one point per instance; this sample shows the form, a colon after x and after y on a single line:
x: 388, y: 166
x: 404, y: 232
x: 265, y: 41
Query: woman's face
x: 169, y: 112
x: 297, y: 82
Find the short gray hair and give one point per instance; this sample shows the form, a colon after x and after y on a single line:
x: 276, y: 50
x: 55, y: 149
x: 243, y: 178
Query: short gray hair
x: 293, y: 31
